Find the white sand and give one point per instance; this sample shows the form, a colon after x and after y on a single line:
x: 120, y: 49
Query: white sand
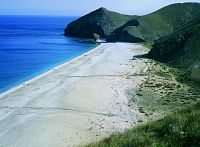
x: 78, y: 102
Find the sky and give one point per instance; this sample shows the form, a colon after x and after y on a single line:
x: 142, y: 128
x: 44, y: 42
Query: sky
x: 81, y: 7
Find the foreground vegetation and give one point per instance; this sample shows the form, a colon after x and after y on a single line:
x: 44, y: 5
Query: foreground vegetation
x: 181, y: 128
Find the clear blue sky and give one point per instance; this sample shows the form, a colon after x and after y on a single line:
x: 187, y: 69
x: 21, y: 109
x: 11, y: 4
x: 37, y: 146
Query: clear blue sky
x: 80, y: 7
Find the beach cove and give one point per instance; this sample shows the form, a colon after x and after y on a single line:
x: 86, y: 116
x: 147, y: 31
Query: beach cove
x: 80, y: 101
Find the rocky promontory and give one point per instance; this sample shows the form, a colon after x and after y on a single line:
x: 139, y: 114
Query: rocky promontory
x: 101, y: 21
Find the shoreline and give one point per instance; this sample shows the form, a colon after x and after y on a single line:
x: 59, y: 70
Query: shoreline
x: 26, y: 83
x: 83, y: 100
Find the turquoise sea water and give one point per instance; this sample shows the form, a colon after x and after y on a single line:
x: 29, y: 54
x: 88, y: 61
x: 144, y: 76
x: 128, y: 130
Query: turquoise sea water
x: 31, y: 45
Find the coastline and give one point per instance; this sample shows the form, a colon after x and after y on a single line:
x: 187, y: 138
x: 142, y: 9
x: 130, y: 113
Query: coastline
x: 48, y: 48
x: 83, y: 100
x: 45, y: 73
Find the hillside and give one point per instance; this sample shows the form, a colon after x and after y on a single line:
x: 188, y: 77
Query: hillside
x: 118, y: 27
x: 180, y: 42
x: 160, y: 23
x: 181, y: 47
x: 100, y: 21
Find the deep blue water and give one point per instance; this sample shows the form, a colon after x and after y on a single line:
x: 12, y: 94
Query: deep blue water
x: 31, y: 45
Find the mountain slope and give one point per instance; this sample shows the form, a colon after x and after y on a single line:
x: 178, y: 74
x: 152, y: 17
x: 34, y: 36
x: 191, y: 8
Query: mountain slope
x: 160, y: 23
x: 100, y: 21
x: 118, y: 27
x: 182, y: 47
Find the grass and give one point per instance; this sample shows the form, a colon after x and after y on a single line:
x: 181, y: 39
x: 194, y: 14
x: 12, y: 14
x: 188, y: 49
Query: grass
x: 166, y: 88
x: 148, y: 45
x: 181, y: 128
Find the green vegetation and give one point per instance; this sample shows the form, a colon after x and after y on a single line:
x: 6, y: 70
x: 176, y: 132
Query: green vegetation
x: 167, y: 20
x: 185, y: 40
x: 180, y: 50
x: 148, y: 45
x: 165, y: 88
x: 100, y: 21
x: 157, y: 24
x: 130, y: 28
x: 181, y: 128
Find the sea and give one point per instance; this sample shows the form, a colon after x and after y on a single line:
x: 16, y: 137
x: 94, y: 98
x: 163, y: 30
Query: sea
x: 32, y: 45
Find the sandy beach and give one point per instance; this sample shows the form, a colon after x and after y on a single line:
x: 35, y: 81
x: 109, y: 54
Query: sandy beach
x: 80, y: 101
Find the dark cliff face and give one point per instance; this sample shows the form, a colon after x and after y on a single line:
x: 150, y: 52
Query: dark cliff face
x: 100, y: 21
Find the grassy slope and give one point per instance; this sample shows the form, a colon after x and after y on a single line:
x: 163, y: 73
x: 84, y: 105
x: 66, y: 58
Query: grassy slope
x: 159, y: 23
x: 167, y: 20
x: 180, y: 49
x: 181, y: 128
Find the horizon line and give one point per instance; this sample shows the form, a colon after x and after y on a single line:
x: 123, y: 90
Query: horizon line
x: 39, y: 15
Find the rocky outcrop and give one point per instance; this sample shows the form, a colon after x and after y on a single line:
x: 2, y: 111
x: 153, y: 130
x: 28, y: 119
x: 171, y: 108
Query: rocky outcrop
x: 102, y: 22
